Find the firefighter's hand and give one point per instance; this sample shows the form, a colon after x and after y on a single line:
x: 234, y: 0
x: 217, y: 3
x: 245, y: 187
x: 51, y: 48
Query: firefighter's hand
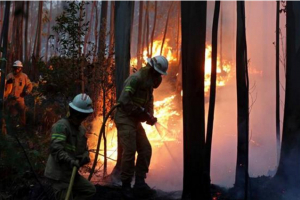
x: 85, y: 160
x: 9, y: 81
x: 151, y: 120
x: 23, y: 94
x: 75, y: 163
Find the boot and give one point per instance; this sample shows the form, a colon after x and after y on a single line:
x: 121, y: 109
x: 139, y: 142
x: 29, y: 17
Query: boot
x: 126, y: 190
x: 141, y: 189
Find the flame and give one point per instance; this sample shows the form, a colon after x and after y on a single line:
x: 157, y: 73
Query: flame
x: 167, y: 52
x: 223, y: 70
x: 164, y: 110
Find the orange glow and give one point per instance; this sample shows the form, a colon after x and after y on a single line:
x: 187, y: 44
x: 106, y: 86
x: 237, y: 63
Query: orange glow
x: 164, y: 111
x: 167, y: 52
x: 168, y: 115
x: 222, y: 70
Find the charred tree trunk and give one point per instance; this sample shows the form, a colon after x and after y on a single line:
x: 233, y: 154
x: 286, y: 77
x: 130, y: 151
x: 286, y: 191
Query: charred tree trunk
x: 17, y: 42
x: 277, y: 84
x: 111, y: 35
x: 102, y: 32
x: 4, y: 34
x: 37, y: 42
x: 123, y: 18
x: 212, y: 95
x: 193, y: 59
x: 147, y: 29
x: 48, y: 32
x: 288, y: 170
x: 87, y: 36
x: 166, y: 29
x: 153, y: 29
x: 26, y: 33
x: 139, y: 53
x: 95, y: 31
x: 241, y: 178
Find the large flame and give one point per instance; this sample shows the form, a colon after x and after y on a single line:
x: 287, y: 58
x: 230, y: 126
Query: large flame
x: 169, y: 130
x: 156, y: 48
x: 222, y: 70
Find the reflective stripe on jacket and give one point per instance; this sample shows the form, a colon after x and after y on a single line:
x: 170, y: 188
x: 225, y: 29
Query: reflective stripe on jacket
x: 67, y: 143
x: 138, y: 90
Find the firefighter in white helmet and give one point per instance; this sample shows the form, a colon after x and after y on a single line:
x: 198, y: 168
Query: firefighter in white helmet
x: 136, y: 102
x: 69, y: 148
x: 21, y: 86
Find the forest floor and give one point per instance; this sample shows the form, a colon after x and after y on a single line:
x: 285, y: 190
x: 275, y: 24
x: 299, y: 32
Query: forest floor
x: 28, y: 189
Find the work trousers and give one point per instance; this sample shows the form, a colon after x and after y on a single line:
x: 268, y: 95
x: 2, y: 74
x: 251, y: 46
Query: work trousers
x: 82, y: 189
x: 133, y: 139
x: 18, y: 107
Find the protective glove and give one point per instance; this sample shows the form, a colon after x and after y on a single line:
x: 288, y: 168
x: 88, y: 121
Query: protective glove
x: 9, y: 81
x: 85, y: 160
x: 75, y: 163
x: 151, y: 120
x: 23, y: 94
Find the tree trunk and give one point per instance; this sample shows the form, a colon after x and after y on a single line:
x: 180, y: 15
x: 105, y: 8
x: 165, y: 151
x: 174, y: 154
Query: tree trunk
x: 26, y: 34
x: 277, y: 84
x: 193, y: 59
x: 212, y: 95
x: 111, y: 35
x: 3, y: 41
x: 17, y: 42
x: 289, y: 164
x: 87, y: 36
x: 37, y: 42
x: 48, y: 32
x: 166, y: 29
x: 102, y: 32
x: 147, y: 29
x: 153, y: 29
x: 123, y: 18
x: 241, y: 178
x: 95, y: 31
x: 139, y: 48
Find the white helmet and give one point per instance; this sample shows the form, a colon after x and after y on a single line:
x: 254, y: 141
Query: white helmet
x: 17, y: 63
x: 160, y: 64
x: 82, y: 103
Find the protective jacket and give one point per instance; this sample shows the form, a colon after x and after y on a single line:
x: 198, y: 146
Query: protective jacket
x: 137, y: 92
x: 68, y: 143
x: 21, y: 83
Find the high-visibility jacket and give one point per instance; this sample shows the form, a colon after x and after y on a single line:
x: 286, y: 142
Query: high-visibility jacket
x: 21, y: 83
x: 68, y: 143
x: 137, y: 92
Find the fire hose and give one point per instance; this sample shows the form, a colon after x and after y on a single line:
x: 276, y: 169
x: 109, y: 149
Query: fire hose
x: 99, y: 139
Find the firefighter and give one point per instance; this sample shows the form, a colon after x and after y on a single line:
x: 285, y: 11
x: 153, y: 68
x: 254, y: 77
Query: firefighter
x: 136, y: 106
x: 21, y: 86
x: 68, y: 148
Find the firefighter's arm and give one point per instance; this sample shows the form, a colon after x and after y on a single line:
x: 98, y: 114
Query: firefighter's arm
x: 59, y: 147
x: 150, y: 105
x: 128, y: 91
x: 28, y: 86
x: 85, y: 157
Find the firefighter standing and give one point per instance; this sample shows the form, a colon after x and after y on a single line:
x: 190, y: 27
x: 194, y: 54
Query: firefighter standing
x: 68, y: 149
x: 21, y: 86
x: 136, y: 102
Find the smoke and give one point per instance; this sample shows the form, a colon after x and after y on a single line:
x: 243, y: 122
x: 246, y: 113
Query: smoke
x: 166, y: 173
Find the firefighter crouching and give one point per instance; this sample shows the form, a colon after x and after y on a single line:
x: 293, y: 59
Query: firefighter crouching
x: 68, y: 148
x: 136, y: 102
x: 21, y: 86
